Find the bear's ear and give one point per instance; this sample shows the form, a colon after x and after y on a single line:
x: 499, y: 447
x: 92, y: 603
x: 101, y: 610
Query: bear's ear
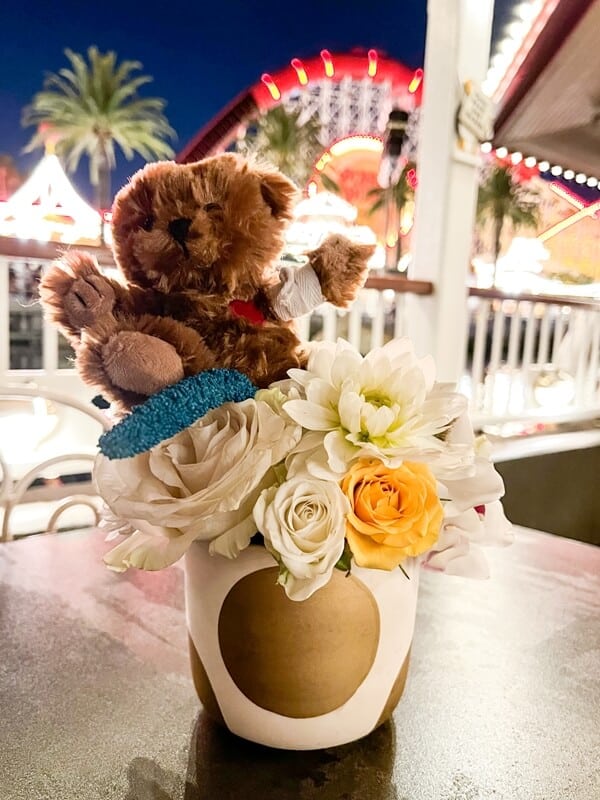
x: 278, y: 192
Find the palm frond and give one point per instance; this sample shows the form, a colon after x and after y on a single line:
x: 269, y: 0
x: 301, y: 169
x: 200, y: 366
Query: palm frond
x: 93, y: 105
x: 285, y: 140
x: 400, y: 193
x: 502, y: 197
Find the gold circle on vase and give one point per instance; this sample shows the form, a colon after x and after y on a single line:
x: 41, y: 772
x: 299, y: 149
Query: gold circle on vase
x: 298, y: 658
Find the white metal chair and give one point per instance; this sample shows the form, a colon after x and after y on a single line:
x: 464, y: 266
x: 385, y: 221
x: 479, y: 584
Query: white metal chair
x: 18, y: 490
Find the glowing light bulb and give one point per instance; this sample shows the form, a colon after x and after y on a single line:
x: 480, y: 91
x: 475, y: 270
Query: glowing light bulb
x: 556, y: 170
x: 580, y: 177
x: 568, y: 174
x: 530, y: 161
x: 271, y: 85
x: 372, y: 69
x: 328, y: 63
x: 502, y: 152
x: 300, y: 71
x: 415, y: 81
x: 486, y: 147
x: 516, y: 158
x: 544, y: 166
x: 591, y: 182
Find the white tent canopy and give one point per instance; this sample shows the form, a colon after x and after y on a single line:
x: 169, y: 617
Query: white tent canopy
x: 48, y: 208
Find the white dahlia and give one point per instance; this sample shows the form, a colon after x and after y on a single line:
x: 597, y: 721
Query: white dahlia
x: 384, y: 405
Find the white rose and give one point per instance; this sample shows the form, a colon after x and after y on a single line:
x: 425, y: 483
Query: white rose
x: 200, y: 484
x: 303, y: 522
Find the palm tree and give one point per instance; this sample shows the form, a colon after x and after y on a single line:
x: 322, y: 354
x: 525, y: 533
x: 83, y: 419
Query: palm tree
x: 91, y: 107
x: 289, y: 144
x: 501, y: 198
x: 395, y: 196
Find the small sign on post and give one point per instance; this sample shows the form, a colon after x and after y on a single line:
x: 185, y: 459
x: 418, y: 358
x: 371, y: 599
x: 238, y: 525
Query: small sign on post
x: 474, y: 118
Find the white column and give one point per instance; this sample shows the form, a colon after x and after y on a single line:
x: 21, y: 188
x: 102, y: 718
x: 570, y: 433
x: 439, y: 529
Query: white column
x: 457, y: 50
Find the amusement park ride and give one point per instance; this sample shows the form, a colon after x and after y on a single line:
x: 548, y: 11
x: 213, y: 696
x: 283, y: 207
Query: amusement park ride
x: 350, y: 93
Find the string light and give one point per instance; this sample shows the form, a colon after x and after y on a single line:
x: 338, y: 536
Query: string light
x: 529, y: 18
x: 556, y: 170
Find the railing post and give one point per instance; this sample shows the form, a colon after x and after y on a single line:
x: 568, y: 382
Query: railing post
x: 457, y: 50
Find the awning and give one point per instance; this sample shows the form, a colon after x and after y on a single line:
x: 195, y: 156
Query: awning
x: 551, y: 109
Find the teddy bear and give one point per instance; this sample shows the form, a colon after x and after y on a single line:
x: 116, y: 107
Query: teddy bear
x: 197, y: 248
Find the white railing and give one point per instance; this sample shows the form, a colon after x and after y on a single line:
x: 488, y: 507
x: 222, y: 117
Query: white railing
x: 526, y: 357
x: 532, y: 357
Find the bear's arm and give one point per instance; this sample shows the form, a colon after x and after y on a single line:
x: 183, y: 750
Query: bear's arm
x: 75, y: 295
x: 341, y: 267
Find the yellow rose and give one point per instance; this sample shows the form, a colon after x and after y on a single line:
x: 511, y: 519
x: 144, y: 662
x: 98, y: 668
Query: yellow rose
x: 396, y: 513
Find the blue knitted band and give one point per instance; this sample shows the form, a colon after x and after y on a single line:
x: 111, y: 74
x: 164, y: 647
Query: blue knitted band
x: 174, y: 409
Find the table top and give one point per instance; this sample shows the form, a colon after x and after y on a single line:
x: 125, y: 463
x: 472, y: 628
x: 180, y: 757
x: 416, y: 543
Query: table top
x: 96, y: 701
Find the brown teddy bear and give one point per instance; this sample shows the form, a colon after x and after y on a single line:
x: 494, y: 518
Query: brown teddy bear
x: 197, y: 245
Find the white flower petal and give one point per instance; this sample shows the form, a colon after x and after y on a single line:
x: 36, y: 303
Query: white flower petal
x: 472, y: 564
x: 484, y: 487
x: 144, y: 550
x: 231, y: 543
x: 311, y: 415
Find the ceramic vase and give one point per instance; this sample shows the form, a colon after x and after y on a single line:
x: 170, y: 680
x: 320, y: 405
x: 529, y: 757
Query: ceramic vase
x: 297, y: 675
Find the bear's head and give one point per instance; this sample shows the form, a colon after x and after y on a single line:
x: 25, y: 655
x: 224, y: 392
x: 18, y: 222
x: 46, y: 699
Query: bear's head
x: 215, y: 226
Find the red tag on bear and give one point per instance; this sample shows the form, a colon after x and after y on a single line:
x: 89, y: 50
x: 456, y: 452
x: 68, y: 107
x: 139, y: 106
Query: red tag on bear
x: 247, y: 310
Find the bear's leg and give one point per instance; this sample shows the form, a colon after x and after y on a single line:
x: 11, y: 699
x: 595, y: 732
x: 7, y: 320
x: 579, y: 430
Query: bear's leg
x: 140, y: 363
x: 137, y: 357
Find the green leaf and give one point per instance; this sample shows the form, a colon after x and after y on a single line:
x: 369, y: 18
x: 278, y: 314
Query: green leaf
x: 283, y: 574
x: 345, y: 561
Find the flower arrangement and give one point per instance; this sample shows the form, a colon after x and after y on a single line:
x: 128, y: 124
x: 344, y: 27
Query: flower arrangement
x: 353, y: 460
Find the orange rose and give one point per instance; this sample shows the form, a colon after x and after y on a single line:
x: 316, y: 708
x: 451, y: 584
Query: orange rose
x: 396, y: 513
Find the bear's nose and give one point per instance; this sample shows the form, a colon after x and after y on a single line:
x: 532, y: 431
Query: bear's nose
x: 179, y: 227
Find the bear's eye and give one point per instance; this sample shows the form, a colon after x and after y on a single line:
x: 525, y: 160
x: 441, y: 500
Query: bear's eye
x: 148, y: 223
x: 212, y: 207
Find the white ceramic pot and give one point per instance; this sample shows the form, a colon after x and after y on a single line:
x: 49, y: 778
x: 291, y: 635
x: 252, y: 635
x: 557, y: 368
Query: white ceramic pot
x: 297, y: 675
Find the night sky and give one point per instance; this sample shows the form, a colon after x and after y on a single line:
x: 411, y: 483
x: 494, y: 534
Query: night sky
x: 201, y: 54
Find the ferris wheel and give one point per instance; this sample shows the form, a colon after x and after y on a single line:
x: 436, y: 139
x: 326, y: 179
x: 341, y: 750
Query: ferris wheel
x: 350, y: 93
